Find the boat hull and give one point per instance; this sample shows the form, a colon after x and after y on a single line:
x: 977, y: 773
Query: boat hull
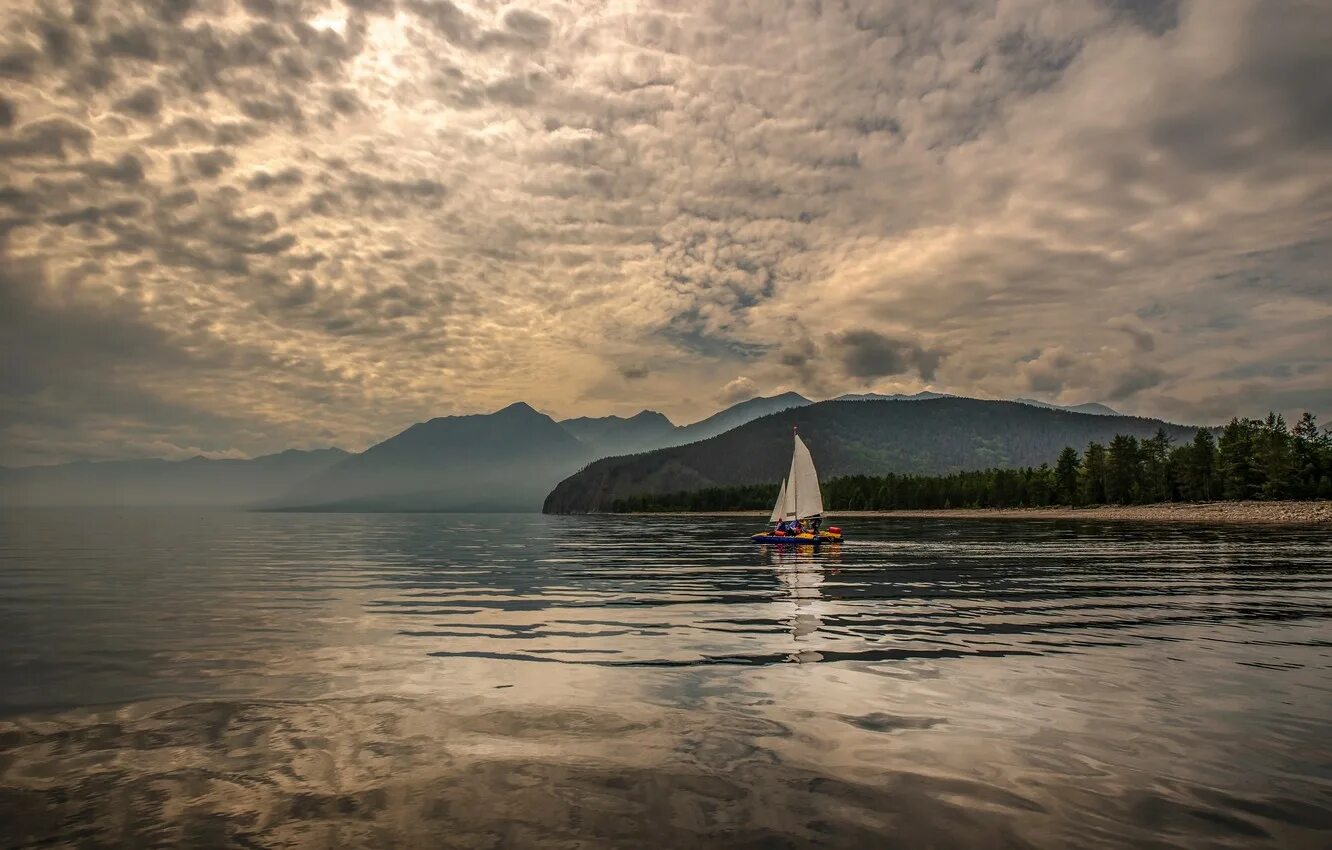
x: 797, y: 540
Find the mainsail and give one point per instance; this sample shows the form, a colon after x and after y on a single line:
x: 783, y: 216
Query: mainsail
x: 779, y: 509
x: 803, y: 498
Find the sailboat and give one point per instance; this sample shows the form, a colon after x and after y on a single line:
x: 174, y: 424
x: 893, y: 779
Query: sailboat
x: 799, y: 499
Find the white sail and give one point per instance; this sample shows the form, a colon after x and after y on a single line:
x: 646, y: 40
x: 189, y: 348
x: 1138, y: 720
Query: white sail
x: 779, y: 509
x: 805, y: 500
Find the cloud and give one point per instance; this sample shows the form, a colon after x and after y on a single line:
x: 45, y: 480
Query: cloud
x: 740, y: 389
x: 1049, y: 371
x: 528, y: 25
x: 143, y: 102
x: 1132, y: 382
x: 798, y: 353
x: 126, y: 169
x: 1155, y: 16
x: 367, y: 214
x: 445, y: 18
x: 212, y: 163
x: 74, y: 363
x: 868, y: 354
x: 1143, y: 339
x: 19, y: 62
x: 284, y: 178
x: 91, y: 215
x: 48, y: 138
x: 132, y: 42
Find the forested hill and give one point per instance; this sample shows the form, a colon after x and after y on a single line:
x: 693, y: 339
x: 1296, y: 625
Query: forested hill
x: 853, y: 438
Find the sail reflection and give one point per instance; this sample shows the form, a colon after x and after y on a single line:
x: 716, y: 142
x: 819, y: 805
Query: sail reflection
x: 801, y: 571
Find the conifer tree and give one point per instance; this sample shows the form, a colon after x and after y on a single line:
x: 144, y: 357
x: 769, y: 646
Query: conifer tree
x: 1155, y: 455
x: 1234, y: 451
x: 1092, y: 479
x: 1312, y: 454
x: 1122, y: 470
x: 1066, y: 476
x: 1198, y: 468
x: 1274, y: 458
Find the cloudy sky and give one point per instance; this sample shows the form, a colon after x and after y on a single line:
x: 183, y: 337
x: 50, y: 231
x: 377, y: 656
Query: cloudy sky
x: 235, y: 226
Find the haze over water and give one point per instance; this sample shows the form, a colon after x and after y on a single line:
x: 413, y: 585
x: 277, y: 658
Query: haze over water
x: 234, y: 679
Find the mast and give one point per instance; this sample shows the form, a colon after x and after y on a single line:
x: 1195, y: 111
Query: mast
x: 794, y: 511
x: 795, y: 492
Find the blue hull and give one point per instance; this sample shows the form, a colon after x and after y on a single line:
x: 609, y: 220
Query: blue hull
x: 796, y: 541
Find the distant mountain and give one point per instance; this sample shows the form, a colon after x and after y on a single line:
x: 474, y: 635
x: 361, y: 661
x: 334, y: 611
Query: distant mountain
x: 502, y: 461
x: 923, y: 395
x: 735, y: 416
x: 1092, y: 407
x: 195, y: 482
x: 616, y: 435
x: 853, y: 437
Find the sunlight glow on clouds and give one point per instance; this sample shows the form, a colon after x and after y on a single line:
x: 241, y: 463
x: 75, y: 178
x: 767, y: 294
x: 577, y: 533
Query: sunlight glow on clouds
x: 243, y: 226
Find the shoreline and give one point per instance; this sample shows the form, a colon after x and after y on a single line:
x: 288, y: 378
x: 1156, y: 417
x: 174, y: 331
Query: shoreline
x: 1316, y: 513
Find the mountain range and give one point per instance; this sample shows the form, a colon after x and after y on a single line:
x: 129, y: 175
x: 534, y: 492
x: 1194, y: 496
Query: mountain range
x: 198, y: 481
x: 613, y: 435
x: 506, y: 460
x: 870, y: 437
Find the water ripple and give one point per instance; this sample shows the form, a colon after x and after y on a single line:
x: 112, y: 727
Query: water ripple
x: 212, y: 679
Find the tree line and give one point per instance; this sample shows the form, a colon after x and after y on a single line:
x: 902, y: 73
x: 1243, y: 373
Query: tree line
x: 1247, y: 459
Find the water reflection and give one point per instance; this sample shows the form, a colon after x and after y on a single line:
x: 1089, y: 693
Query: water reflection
x: 251, y: 680
x: 801, y: 571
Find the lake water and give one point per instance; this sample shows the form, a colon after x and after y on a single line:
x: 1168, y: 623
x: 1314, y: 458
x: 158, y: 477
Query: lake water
x: 204, y: 679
